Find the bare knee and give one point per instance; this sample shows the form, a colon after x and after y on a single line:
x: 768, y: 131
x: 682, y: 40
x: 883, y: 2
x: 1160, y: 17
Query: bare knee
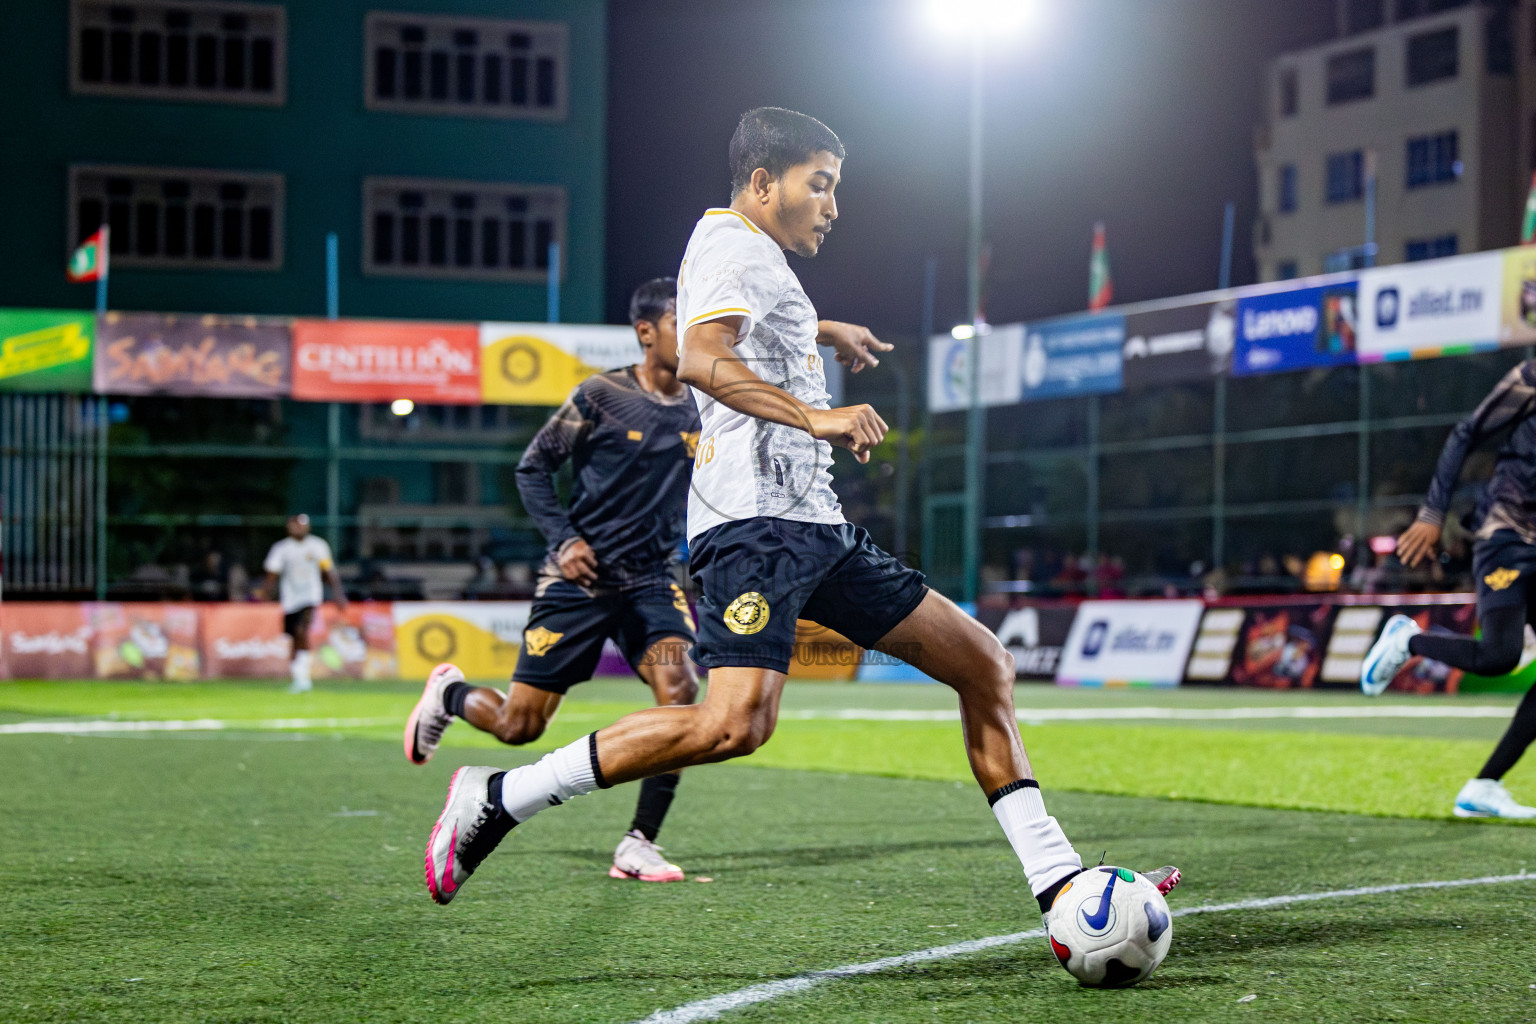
x: 723, y: 740
x: 676, y: 686
x: 516, y: 730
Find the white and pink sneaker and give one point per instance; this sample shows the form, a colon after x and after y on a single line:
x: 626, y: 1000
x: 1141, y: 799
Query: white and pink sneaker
x: 424, y: 729
x: 640, y: 859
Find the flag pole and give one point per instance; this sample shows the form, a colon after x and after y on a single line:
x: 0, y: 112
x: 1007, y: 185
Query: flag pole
x: 101, y: 278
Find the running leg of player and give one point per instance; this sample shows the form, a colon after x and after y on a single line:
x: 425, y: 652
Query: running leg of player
x: 952, y: 647
x: 737, y: 716
x: 516, y: 717
x: 298, y: 665
x: 668, y: 671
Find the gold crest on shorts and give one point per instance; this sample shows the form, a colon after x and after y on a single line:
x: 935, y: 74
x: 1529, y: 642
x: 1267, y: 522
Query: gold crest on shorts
x: 540, y: 640
x: 747, y: 614
x: 1500, y: 579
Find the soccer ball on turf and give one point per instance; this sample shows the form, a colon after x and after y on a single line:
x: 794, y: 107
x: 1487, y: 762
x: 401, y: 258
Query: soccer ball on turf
x: 1109, y: 927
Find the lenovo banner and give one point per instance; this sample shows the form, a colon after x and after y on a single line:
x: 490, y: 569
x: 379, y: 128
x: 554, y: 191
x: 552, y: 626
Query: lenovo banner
x: 1436, y: 307
x: 1295, y: 330
x: 150, y: 354
x: 1166, y: 346
x: 539, y: 364
x: 1076, y: 356
x: 379, y: 361
x: 1119, y: 643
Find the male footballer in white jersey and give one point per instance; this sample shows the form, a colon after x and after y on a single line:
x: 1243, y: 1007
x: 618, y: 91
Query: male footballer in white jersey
x: 295, y: 566
x: 767, y: 539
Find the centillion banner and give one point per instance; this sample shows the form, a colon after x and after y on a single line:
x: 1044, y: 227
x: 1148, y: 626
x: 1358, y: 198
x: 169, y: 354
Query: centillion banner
x: 539, y: 364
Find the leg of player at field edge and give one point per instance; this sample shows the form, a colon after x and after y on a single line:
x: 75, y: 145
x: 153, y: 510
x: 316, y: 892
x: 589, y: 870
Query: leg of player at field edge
x: 668, y: 671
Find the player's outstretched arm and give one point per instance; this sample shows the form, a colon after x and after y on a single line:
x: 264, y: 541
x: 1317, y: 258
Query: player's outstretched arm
x: 855, y: 345
x: 709, y: 364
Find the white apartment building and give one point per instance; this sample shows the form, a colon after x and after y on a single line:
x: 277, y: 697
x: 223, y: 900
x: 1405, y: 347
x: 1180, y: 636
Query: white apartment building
x: 1438, y: 96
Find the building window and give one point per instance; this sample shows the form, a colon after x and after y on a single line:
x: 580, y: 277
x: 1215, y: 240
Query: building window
x: 1433, y: 56
x: 1346, y: 181
x: 1287, y: 188
x: 1285, y: 270
x: 218, y: 52
x: 469, y: 230
x: 1352, y: 76
x: 1288, y: 92
x: 1351, y: 257
x: 427, y: 64
x: 180, y: 218
x: 1433, y: 160
x: 1431, y: 248
x: 1363, y: 15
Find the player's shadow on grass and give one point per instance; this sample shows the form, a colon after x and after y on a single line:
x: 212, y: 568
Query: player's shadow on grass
x: 799, y: 856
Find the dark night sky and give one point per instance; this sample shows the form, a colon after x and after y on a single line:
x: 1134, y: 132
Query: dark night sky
x: 1139, y: 113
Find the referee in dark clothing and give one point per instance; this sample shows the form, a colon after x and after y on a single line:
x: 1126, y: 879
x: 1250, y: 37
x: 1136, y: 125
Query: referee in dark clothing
x: 1504, y: 561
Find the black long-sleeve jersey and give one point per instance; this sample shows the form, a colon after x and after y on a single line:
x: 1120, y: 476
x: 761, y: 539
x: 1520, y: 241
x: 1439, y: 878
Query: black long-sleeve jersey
x: 1509, y: 499
x: 632, y: 452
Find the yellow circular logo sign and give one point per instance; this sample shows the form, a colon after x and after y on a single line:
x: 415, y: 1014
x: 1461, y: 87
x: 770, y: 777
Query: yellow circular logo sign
x: 747, y: 614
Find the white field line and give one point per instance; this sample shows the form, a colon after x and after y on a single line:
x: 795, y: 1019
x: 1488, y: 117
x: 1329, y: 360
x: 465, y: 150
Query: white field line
x: 188, y: 725
x: 713, y: 1007
x: 1165, y: 714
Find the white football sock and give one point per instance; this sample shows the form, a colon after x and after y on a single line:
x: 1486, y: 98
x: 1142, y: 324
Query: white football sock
x: 550, y: 781
x: 300, y: 669
x: 1036, y: 838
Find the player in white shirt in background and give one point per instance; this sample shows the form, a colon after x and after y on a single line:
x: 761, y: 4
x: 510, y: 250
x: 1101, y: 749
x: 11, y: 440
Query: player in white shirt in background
x: 296, y: 565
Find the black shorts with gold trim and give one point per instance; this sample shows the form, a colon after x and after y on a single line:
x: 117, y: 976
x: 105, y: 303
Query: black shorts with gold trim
x: 1505, y: 566
x: 568, y: 624
x: 757, y: 576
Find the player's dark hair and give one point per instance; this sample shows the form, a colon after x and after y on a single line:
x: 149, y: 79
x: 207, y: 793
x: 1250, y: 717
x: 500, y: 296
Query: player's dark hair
x: 653, y: 299
x: 776, y: 139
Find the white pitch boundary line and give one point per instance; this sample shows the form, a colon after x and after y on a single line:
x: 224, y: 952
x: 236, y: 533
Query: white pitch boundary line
x: 713, y: 1007
x: 1163, y: 714
x: 187, y: 725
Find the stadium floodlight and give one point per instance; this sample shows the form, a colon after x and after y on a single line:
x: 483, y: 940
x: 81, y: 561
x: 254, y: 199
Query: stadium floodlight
x: 402, y: 407
x: 962, y: 332
x: 983, y: 18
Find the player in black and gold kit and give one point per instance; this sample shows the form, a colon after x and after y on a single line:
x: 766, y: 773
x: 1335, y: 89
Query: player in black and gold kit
x: 630, y: 436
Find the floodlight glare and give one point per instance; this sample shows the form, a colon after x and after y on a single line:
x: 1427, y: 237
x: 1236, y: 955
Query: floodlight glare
x: 990, y: 18
x: 962, y: 332
x: 402, y: 407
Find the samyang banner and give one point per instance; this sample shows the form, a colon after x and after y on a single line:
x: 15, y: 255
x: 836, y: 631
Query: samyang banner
x: 1166, y: 346
x: 1297, y: 329
x: 539, y: 364
x: 224, y: 357
x: 380, y: 361
x: 46, y: 349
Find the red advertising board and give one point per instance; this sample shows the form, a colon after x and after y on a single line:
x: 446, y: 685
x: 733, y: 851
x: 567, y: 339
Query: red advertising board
x: 358, y: 643
x: 244, y: 641
x: 46, y: 641
x: 144, y: 641
x: 379, y: 361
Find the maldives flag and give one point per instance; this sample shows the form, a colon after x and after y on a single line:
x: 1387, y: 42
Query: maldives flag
x: 1101, y: 290
x: 1528, y: 229
x: 89, y: 262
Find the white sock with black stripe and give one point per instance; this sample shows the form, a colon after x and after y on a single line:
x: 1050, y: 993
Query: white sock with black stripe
x: 1037, y: 839
x: 553, y: 779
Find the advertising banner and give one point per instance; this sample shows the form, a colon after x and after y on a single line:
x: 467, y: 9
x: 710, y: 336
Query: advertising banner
x: 1033, y: 631
x: 226, y: 357
x: 539, y: 364
x: 1129, y: 643
x: 46, y: 349
x: 379, y: 361
x: 1294, y: 330
x: 1166, y: 346
x: 47, y: 640
x: 1517, y: 298
x: 1355, y: 628
x: 244, y: 641
x: 144, y: 641
x: 1275, y: 646
x: 949, y: 369
x: 1077, y: 356
x: 481, y: 637
x: 1437, y: 307
x: 358, y: 643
